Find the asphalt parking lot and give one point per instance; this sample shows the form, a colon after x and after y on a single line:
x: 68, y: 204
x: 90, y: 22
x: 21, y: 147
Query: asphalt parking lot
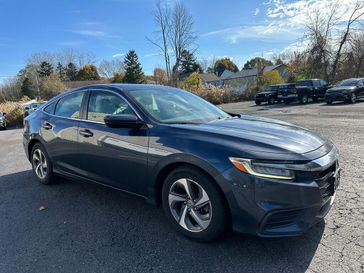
x: 78, y: 227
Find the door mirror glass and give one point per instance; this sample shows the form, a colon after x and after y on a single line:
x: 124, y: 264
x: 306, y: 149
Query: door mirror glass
x: 123, y: 121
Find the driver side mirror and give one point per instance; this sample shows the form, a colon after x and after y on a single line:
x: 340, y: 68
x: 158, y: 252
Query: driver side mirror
x: 123, y: 121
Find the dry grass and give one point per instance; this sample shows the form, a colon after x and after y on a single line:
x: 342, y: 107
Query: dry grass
x: 14, y: 112
x: 216, y: 95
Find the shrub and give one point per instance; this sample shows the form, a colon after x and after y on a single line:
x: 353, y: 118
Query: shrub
x: 14, y: 112
x: 216, y: 95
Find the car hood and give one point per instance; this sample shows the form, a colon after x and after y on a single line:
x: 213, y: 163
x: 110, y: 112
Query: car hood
x: 341, y: 88
x: 263, y: 135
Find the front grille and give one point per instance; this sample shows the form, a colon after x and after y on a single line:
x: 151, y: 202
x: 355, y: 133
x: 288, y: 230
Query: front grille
x: 326, y: 179
x: 281, y: 219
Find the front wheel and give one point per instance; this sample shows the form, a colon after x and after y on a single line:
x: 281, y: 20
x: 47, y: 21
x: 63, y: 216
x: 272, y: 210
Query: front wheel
x: 270, y: 100
x: 329, y: 102
x: 352, y: 98
x: 194, y: 205
x: 41, y: 164
x: 258, y: 103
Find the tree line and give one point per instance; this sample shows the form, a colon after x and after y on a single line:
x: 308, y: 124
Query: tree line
x: 334, y: 51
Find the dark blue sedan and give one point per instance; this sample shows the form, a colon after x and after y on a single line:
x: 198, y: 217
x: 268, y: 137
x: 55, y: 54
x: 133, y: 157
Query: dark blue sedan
x: 210, y: 170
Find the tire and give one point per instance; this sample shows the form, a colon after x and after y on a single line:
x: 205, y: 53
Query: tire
x: 41, y: 165
x: 315, y: 99
x: 212, y: 217
x: 352, y: 98
x: 286, y: 101
x: 270, y: 100
x: 304, y: 99
x: 328, y: 102
x: 279, y: 100
x: 258, y: 103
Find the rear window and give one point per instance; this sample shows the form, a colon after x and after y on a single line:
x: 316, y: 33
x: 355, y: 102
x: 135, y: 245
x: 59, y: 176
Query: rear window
x: 69, y: 106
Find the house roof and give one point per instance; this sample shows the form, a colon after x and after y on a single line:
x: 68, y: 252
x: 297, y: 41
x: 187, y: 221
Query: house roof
x: 226, y: 74
x: 247, y: 72
x: 209, y: 77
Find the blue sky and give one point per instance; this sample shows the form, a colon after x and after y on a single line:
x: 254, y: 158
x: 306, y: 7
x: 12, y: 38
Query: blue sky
x: 239, y: 29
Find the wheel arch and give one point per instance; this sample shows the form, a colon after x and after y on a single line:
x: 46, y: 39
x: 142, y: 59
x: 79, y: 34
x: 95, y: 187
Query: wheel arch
x: 200, y: 165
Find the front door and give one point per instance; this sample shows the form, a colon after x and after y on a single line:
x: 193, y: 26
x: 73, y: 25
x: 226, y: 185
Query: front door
x: 113, y: 156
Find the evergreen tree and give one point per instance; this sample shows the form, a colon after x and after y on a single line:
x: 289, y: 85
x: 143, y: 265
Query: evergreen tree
x: 133, y: 69
x: 45, y: 69
x: 88, y: 73
x: 189, y: 63
x: 71, y: 71
x: 61, y: 71
x: 27, y: 88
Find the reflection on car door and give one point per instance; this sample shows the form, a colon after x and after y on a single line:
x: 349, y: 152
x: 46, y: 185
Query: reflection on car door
x: 60, y: 131
x: 113, y: 156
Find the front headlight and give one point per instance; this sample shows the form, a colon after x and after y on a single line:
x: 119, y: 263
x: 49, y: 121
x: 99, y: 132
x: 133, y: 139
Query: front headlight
x: 262, y: 169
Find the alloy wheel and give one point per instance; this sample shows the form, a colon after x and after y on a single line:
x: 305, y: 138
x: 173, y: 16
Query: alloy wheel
x: 353, y: 98
x: 39, y: 162
x: 190, y: 205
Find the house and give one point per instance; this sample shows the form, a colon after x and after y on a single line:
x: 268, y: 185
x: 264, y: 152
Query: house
x: 241, y: 79
x: 210, y: 78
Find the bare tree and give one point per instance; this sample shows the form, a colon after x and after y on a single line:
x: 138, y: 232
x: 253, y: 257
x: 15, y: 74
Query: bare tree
x: 109, y: 68
x: 162, y: 20
x: 181, y: 35
x: 319, y: 30
x: 160, y: 76
x: 357, y: 52
x: 356, y: 15
x: 175, y: 35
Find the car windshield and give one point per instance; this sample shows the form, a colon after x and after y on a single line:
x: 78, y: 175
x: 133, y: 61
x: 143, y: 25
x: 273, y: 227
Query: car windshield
x: 176, y: 106
x: 348, y: 83
x: 304, y: 83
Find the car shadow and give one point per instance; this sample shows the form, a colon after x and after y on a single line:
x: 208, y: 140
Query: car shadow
x: 73, y: 226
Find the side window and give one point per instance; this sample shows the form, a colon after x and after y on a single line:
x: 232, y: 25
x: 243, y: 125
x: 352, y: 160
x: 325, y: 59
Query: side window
x: 323, y: 83
x: 49, y: 108
x: 69, y: 106
x: 103, y: 103
x: 316, y: 84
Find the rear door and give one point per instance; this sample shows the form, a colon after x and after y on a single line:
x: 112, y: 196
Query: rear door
x: 113, y: 156
x: 59, y: 129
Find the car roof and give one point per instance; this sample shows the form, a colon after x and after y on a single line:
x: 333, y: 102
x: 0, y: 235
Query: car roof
x: 126, y: 86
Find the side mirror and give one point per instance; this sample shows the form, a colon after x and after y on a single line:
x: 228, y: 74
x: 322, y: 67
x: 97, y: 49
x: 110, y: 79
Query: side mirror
x: 26, y: 108
x: 123, y: 121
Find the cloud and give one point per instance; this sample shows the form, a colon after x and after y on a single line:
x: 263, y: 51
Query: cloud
x: 71, y: 43
x: 284, y: 21
x: 91, y: 33
x: 118, y: 55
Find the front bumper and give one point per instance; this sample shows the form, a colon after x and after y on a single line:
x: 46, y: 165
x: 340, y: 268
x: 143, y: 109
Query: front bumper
x: 274, y: 208
x: 337, y: 96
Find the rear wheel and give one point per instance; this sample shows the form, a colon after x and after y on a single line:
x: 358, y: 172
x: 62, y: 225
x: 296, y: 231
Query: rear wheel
x: 304, y: 99
x: 41, y: 164
x: 257, y: 103
x: 194, y: 205
x: 329, y: 102
x: 286, y: 101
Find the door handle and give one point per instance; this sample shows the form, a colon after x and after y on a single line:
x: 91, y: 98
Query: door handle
x: 86, y: 133
x: 46, y: 125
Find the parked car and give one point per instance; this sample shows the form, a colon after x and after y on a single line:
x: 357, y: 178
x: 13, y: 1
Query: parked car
x: 210, y: 170
x: 3, y: 120
x: 269, y: 95
x: 311, y: 89
x: 287, y: 93
x: 31, y: 108
x: 348, y: 90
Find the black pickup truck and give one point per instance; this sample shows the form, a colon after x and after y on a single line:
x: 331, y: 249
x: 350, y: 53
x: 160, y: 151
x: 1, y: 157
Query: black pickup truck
x: 311, y: 89
x: 269, y: 95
